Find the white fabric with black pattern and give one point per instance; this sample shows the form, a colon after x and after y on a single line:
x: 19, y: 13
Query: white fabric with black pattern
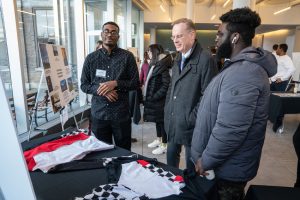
x: 112, y: 192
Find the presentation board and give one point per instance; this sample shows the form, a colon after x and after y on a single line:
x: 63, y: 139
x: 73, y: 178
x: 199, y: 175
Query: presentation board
x: 58, y: 75
x: 15, y: 182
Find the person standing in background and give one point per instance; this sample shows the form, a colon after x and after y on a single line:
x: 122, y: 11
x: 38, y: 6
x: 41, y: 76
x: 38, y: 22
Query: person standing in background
x: 274, y: 52
x: 144, y: 69
x: 99, y: 45
x: 192, y: 71
x: 280, y: 81
x: 108, y: 74
x: 156, y: 87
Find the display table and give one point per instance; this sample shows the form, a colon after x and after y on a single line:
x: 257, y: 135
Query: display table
x: 67, y: 185
x: 260, y: 192
x: 283, y: 103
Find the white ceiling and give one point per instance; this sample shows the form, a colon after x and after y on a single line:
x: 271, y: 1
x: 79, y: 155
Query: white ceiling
x: 211, y: 3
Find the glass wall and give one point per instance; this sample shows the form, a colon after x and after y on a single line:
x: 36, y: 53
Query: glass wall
x: 135, y: 26
x: 120, y: 18
x: 47, y: 21
x: 96, y: 16
x: 53, y: 21
x: 4, y: 62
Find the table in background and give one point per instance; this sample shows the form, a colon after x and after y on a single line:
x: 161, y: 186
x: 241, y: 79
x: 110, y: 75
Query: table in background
x: 285, y: 103
x: 260, y: 192
x: 67, y: 185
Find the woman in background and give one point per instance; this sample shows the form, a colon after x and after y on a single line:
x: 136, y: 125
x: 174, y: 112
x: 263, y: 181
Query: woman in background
x: 155, y: 91
x: 144, y: 69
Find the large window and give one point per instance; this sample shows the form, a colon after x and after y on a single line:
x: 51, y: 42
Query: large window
x: 96, y: 16
x: 4, y: 64
x: 120, y: 19
x: 135, y: 22
x: 47, y: 21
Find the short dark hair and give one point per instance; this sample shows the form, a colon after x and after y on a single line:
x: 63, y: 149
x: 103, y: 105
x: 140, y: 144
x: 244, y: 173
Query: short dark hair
x: 111, y: 23
x: 100, y: 42
x: 284, y: 47
x: 275, y: 47
x: 243, y: 21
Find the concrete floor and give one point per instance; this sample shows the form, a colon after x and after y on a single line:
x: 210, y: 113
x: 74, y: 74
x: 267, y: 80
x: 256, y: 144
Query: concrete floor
x: 278, y: 161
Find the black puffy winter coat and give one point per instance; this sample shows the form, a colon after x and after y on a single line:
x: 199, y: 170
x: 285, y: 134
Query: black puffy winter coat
x: 157, y: 90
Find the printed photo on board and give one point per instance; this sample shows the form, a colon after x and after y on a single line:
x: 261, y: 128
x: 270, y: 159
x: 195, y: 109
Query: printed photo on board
x: 44, y: 56
x: 63, y: 85
x: 55, y: 52
x: 70, y: 84
x: 49, y: 83
x: 64, y: 54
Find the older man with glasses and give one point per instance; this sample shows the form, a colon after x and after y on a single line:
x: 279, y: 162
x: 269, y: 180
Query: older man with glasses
x: 108, y: 74
x: 192, y: 71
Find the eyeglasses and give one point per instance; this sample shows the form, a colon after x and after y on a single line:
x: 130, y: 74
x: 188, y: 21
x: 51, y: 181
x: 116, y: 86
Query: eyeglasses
x: 112, y: 33
x: 177, y: 37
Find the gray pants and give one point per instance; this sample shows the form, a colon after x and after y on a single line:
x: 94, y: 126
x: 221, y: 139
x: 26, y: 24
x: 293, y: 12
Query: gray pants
x: 173, y: 155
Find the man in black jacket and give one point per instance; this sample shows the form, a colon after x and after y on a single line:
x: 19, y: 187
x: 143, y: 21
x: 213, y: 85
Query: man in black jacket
x: 192, y: 70
x: 109, y: 73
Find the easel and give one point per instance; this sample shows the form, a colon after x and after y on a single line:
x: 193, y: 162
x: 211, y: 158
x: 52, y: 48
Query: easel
x: 35, y: 105
x: 61, y: 116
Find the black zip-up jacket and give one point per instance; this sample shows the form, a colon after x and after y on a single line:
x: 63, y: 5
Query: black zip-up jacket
x: 100, y: 67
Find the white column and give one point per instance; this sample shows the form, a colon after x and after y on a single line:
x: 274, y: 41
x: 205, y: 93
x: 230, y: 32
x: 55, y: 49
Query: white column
x: 56, y: 22
x: 152, y: 35
x: 9, y: 9
x: 244, y: 3
x: 110, y: 10
x: 190, y: 4
x: 297, y: 40
x: 141, y: 35
x: 80, y: 44
x: 296, y: 55
x: 128, y: 24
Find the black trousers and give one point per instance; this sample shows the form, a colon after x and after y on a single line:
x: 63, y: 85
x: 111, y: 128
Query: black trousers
x: 279, y: 86
x: 120, y: 130
x: 160, y: 131
x: 296, y: 141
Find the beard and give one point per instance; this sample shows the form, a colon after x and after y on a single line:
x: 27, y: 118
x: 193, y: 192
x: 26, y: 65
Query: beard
x: 224, y: 50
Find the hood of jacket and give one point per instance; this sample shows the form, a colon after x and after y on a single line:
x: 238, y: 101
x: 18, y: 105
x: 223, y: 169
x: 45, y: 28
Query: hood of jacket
x: 164, y: 63
x: 261, y: 57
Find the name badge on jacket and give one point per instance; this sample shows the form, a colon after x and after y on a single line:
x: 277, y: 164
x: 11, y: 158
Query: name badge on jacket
x: 101, y: 73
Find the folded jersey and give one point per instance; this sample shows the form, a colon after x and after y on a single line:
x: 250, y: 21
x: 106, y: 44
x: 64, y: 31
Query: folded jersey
x: 63, y: 150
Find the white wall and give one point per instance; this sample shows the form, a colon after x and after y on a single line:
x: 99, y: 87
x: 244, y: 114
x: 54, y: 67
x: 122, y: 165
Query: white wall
x: 278, y: 37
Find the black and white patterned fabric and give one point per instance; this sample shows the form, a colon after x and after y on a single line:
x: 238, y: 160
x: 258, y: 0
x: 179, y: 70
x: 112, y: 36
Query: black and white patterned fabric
x: 136, y: 180
x: 161, y: 172
x: 106, y: 161
x: 74, y: 133
x: 112, y: 192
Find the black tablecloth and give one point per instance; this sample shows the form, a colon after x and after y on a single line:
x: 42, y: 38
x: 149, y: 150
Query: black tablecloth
x: 284, y: 105
x: 259, y: 192
x: 67, y: 185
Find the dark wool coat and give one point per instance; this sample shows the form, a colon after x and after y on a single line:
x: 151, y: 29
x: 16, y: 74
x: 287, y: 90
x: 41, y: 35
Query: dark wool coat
x: 184, y: 94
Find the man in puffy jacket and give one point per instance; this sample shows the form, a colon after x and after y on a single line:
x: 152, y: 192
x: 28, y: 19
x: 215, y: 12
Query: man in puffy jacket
x: 232, y: 116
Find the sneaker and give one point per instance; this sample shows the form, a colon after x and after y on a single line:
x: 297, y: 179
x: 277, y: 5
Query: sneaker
x: 160, y: 150
x: 155, y: 143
